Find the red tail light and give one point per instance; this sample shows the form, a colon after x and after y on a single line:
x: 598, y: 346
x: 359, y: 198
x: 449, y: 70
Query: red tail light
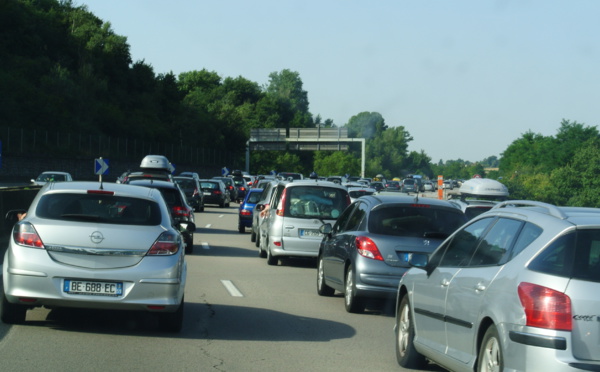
x: 245, y: 212
x: 367, y: 248
x: 217, y: 192
x: 242, y: 188
x: 281, y: 210
x: 545, y: 307
x: 167, y: 244
x: 179, y: 211
x: 25, y: 234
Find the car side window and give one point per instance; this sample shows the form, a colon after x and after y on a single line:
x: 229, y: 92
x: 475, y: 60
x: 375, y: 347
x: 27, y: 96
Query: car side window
x: 460, y: 249
x: 357, y: 217
x: 587, y: 255
x: 529, y: 233
x: 276, y: 196
x: 341, y: 222
x: 557, y: 258
x: 496, y: 243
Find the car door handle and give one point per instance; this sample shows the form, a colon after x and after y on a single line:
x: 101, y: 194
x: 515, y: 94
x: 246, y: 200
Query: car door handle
x: 445, y: 282
x: 288, y: 227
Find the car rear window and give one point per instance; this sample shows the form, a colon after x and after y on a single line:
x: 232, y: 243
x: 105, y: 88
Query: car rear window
x: 209, y: 185
x: 575, y: 255
x: 101, y: 208
x: 315, y: 202
x: 254, y: 197
x: 359, y: 193
x: 186, y: 184
x: 415, y: 220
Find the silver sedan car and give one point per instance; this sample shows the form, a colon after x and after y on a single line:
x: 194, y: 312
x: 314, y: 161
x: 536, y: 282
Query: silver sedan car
x: 97, y: 246
x: 515, y: 289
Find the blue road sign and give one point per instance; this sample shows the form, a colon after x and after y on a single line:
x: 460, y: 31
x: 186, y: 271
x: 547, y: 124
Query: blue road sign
x: 225, y: 171
x: 101, y: 166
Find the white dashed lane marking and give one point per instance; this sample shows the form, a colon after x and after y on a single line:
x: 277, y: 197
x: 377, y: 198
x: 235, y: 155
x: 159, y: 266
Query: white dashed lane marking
x: 233, y: 291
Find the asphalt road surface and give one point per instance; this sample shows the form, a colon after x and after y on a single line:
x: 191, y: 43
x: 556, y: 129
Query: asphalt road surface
x: 240, y: 315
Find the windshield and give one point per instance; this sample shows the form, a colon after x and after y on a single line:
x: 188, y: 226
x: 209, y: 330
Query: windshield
x: 99, y: 208
x: 315, y: 202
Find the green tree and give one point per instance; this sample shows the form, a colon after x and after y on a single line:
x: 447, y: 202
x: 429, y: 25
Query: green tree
x: 336, y: 163
x: 367, y: 125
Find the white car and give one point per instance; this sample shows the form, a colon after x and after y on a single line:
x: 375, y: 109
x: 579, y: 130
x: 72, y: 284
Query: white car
x: 52, y: 176
x: 96, y: 246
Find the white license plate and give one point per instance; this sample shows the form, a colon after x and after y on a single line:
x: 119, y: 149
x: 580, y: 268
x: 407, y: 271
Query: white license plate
x: 83, y: 287
x: 207, y: 193
x: 316, y: 233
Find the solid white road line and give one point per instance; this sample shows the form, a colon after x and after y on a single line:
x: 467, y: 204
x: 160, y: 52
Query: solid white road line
x: 233, y: 291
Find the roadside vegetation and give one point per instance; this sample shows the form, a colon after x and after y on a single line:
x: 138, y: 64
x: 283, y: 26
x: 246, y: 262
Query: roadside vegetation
x: 63, y: 69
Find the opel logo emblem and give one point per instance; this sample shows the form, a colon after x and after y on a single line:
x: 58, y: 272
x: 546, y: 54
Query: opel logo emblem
x: 97, y: 237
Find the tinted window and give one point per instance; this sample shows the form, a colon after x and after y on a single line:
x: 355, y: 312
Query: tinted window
x: 186, y: 183
x: 254, y: 197
x: 357, y: 217
x: 529, y: 233
x: 340, y: 224
x: 460, y: 249
x: 415, y: 220
x: 101, y: 208
x: 209, y: 185
x: 315, y: 202
x: 557, y: 258
x: 359, y: 193
x: 587, y: 255
x: 496, y: 243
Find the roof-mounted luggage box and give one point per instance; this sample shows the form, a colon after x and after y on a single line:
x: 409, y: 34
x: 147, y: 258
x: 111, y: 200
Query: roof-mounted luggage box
x: 483, y: 188
x: 157, y: 163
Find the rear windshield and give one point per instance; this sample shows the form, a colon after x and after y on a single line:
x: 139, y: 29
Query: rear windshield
x: 409, y: 182
x: 416, y: 221
x: 254, y: 197
x: 51, y: 177
x: 186, y: 183
x: 315, y: 202
x: 209, y: 185
x: 99, y: 208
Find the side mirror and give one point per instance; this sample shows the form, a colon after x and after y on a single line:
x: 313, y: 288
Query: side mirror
x: 326, y: 229
x: 189, y: 226
x: 419, y: 260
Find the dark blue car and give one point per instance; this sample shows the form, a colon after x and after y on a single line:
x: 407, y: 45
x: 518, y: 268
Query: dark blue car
x: 246, y: 208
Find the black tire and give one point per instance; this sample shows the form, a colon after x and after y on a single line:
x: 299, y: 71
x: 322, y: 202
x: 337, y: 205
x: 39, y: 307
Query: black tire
x: 202, y: 208
x: 241, y: 228
x: 352, y: 302
x: 490, y: 356
x: 271, y: 260
x: 12, y: 313
x: 261, y: 252
x: 322, y: 288
x: 253, y: 236
x: 406, y: 354
x: 221, y: 205
x: 172, y: 322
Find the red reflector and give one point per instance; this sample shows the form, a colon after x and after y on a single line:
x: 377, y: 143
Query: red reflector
x: 420, y: 205
x: 277, y: 244
x: 156, y: 307
x: 27, y: 299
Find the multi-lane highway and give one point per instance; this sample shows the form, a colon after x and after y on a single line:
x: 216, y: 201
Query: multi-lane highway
x: 240, y: 315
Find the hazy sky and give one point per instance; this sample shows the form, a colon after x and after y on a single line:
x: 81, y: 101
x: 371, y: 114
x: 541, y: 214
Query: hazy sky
x: 464, y: 77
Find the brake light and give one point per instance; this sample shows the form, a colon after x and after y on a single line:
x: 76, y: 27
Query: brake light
x: 167, y: 244
x: 281, y: 210
x: 179, y: 211
x: 242, y: 188
x: 101, y: 192
x: 367, y: 248
x: 217, y: 192
x: 545, y: 307
x: 26, y: 235
x: 245, y: 212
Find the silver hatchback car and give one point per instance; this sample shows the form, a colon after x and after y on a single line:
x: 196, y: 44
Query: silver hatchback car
x: 296, y: 212
x: 87, y: 245
x: 515, y: 289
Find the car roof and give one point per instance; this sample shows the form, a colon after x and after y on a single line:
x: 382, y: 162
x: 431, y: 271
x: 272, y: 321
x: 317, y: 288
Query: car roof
x: 310, y: 182
x: 84, y: 186
x: 154, y: 183
x: 401, y: 198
